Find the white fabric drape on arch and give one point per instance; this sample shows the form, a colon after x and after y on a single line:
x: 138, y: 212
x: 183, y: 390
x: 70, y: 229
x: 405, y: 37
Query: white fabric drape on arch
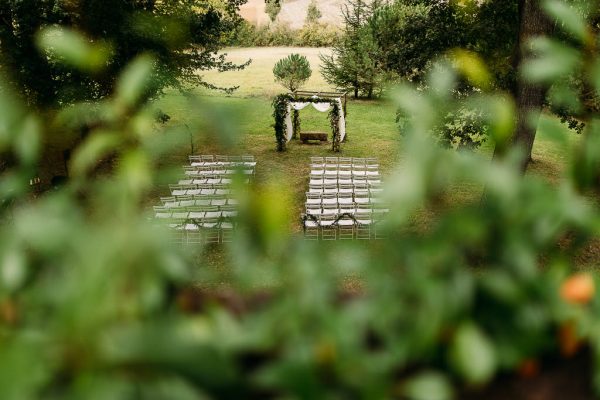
x: 319, y: 106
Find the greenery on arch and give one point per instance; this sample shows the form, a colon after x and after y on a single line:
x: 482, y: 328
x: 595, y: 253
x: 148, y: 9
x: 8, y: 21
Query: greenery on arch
x: 280, y: 104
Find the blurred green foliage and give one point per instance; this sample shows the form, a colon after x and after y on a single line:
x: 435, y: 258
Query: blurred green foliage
x: 98, y: 38
x: 94, y: 303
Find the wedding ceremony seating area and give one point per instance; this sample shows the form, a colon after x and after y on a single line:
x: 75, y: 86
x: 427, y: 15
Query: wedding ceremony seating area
x: 202, y: 207
x: 343, y: 199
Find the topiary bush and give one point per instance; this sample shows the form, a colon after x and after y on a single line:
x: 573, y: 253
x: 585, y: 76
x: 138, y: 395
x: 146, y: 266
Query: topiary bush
x: 292, y: 71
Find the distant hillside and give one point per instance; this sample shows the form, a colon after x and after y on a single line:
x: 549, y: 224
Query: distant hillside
x: 293, y: 12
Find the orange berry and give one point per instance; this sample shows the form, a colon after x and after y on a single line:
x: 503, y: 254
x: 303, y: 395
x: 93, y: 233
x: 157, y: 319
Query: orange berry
x: 529, y: 368
x: 578, y: 288
x: 568, y: 341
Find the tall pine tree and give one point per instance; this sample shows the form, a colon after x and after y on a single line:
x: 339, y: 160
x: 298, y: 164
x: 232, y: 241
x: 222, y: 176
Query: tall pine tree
x: 354, y: 63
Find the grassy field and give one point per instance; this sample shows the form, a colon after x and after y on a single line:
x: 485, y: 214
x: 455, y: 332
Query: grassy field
x: 371, y: 128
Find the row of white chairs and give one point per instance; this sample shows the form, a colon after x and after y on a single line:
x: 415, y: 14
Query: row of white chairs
x: 333, y: 188
x: 202, y: 192
x: 339, y: 209
x: 208, y: 160
x: 342, y: 161
x: 194, y: 211
x: 207, y: 219
x: 201, y: 227
x: 201, y: 236
x: 342, y: 198
x: 345, y: 180
x: 332, y: 227
x: 200, y: 201
x: 216, y: 171
x: 344, y: 172
x: 213, y: 180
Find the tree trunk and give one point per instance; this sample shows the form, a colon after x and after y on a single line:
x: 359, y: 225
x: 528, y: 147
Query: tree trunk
x: 356, y: 92
x: 529, y: 97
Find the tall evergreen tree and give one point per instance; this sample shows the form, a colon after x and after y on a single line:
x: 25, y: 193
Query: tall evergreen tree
x: 355, y: 62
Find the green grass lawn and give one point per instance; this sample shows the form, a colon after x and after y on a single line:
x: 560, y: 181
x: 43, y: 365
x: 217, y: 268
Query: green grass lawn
x: 371, y: 129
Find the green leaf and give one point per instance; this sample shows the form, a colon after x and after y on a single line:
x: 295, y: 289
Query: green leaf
x: 570, y: 21
x: 428, y: 386
x: 134, y: 80
x: 27, y: 141
x: 13, y: 269
x: 554, y: 61
x: 89, y: 153
x: 73, y: 49
x: 472, y: 354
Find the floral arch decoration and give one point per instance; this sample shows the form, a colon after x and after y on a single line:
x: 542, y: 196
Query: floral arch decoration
x: 286, y: 109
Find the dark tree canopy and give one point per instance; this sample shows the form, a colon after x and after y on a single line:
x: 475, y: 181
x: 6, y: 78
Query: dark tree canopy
x: 182, y: 35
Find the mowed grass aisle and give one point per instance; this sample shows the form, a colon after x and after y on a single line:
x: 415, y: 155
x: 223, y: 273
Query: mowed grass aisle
x: 371, y: 127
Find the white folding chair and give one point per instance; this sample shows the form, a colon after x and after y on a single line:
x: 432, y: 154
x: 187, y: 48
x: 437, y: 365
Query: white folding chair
x: 361, y: 198
x: 162, y: 213
x: 331, y: 188
x: 314, y: 210
x: 331, y: 162
x: 178, y: 190
x: 345, y: 171
x: 330, y: 180
x: 331, y: 171
x: 229, y: 211
x: 359, y: 171
x: 378, y: 226
x: 345, y: 199
x: 361, y: 188
x: 226, y: 228
x: 330, y: 209
x: 316, y: 179
x: 345, y: 162
x: 210, y: 230
x: 363, y: 225
x: 313, y: 198
x: 193, y: 234
x: 208, y: 159
x: 317, y: 162
x: 315, y: 188
x: 329, y: 198
x: 311, y: 229
x: 196, y: 161
x: 342, y: 180
x: 249, y: 161
x: 358, y: 162
x: 347, y: 209
x: 317, y: 170
x: 328, y: 229
x: 346, y: 227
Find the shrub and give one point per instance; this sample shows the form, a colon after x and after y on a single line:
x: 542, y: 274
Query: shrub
x: 310, y: 35
x: 317, y: 35
x: 463, y: 128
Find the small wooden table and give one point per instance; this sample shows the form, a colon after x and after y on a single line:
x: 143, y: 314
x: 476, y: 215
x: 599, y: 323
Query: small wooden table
x: 313, y: 135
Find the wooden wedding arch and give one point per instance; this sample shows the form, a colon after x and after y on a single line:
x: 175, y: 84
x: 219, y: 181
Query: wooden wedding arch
x: 286, y: 109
